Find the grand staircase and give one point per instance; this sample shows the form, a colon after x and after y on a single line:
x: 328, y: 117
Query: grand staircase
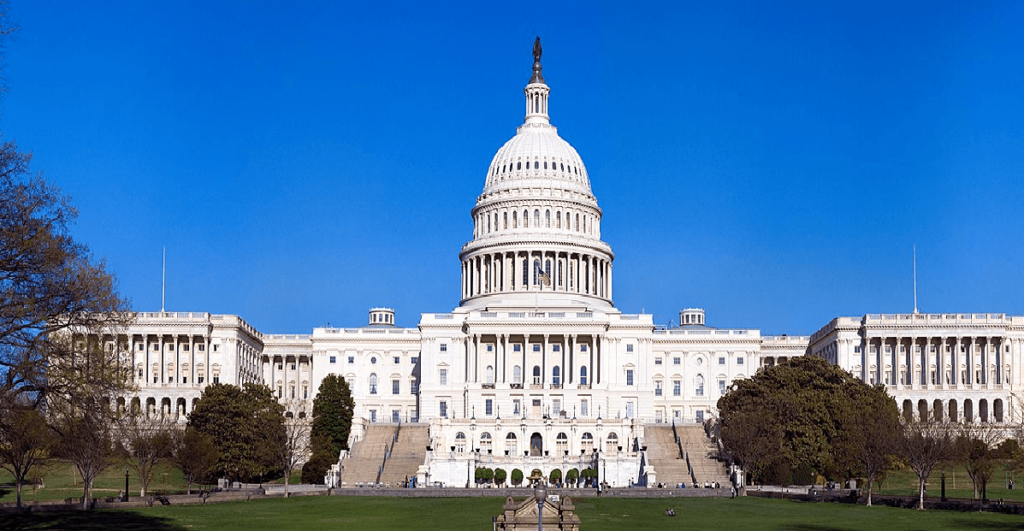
x: 671, y: 465
x: 362, y: 466
x: 409, y: 452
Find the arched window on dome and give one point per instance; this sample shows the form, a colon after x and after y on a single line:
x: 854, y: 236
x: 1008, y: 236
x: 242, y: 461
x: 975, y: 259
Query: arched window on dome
x: 577, y: 222
x: 547, y: 217
x: 495, y: 222
x: 545, y: 164
x: 563, y: 166
x: 536, y: 272
x: 559, y: 280
x: 558, y: 220
x: 526, y: 272
x: 488, y: 223
x: 536, y: 165
x: 536, y: 217
x: 519, y: 165
x: 515, y: 220
x: 505, y: 220
x: 526, y: 219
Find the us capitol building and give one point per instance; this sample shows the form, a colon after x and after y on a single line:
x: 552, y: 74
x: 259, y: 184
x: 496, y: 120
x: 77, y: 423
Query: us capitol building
x: 536, y: 368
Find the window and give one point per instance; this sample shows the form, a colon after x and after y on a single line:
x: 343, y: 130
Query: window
x: 676, y: 387
x: 556, y: 408
x: 200, y: 379
x: 460, y: 442
x: 517, y: 375
x: 517, y: 407
x: 515, y: 348
x: 395, y: 415
x: 657, y: 388
x: 373, y: 384
x: 216, y: 379
x: 536, y: 374
x: 293, y: 367
x: 629, y: 376
x: 414, y: 387
x: 721, y: 360
x: 489, y: 407
x: 629, y: 409
x: 305, y: 392
x: 556, y: 375
x: 629, y: 347
x: 556, y: 348
x: 443, y: 407
x: 373, y: 360
x: 332, y: 359
x: 511, y: 448
x: 351, y: 360
x: 490, y: 375
x: 739, y: 360
x: 583, y: 375
x: 536, y: 348
x: 490, y: 348
x: 202, y: 348
x: 414, y: 360
x: 583, y: 348
x: 721, y: 386
x: 698, y: 384
x: 444, y: 347
x: 657, y: 361
x: 856, y: 349
x: 443, y: 376
x: 675, y: 361
x: 395, y: 386
x: 584, y: 407
x: 398, y: 360
x: 373, y: 415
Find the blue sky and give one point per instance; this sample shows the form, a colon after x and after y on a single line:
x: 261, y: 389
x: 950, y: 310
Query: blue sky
x: 772, y: 162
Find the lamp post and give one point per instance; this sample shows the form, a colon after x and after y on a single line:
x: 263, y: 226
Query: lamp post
x: 125, y: 484
x: 539, y: 494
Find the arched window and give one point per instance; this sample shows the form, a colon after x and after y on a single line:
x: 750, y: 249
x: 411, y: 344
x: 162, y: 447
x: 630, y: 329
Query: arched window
x: 488, y: 223
x: 526, y: 219
x: 515, y: 220
x: 460, y: 442
x: 511, y: 446
x: 547, y: 269
x: 547, y: 217
x: 583, y: 375
x: 558, y: 220
x: 519, y: 165
x: 536, y: 165
x: 490, y: 375
x: 556, y: 375
x: 373, y: 384
x: 526, y: 272
x: 536, y: 272
x: 559, y: 279
x: 611, y: 442
x: 536, y: 374
x: 517, y: 374
x: 587, y: 442
x: 698, y: 384
x: 577, y: 222
x: 562, y: 444
x: 505, y: 220
x: 485, y: 442
x: 545, y: 164
x: 536, y: 217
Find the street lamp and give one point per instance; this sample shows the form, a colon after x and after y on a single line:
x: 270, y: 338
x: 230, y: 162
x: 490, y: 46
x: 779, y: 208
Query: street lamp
x: 539, y: 494
x: 125, y: 484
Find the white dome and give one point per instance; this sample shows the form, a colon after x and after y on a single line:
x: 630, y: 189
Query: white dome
x: 537, y: 157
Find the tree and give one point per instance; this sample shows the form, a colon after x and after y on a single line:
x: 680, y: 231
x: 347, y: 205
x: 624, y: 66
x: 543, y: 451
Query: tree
x: 247, y: 426
x: 925, y: 444
x: 571, y: 476
x: 874, y: 434
x: 24, y: 442
x: 84, y: 437
x: 796, y: 415
x: 483, y: 475
x: 517, y: 476
x: 974, y: 447
x: 500, y: 475
x: 322, y: 457
x: 292, y: 448
x: 196, y: 454
x: 332, y: 412
x: 147, y: 441
x: 555, y: 477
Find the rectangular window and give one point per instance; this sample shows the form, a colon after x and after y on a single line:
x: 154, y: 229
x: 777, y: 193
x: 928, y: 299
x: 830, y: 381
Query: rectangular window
x: 657, y: 361
x: 216, y: 379
x: 584, y: 407
x: 184, y: 379
x: 629, y: 376
x: 200, y: 379
x: 557, y: 348
x: 443, y: 406
x: 556, y: 408
x: 396, y: 415
x: 721, y: 387
x: 739, y: 360
x: 629, y: 410
x: 184, y: 347
x: 351, y: 360
x: 856, y: 350
x: 398, y: 360
x: 444, y: 347
x: 215, y: 348
x: 629, y: 347
x: 415, y: 360
x: 170, y: 379
x: 536, y: 348
x: 373, y: 415
x: 675, y: 361
x: 443, y: 374
x: 583, y: 348
x: 332, y: 359
x: 517, y: 407
x: 721, y: 360
x: 293, y: 367
x: 395, y: 386
x: 202, y: 347
x: 515, y: 348
x: 676, y: 387
x: 489, y: 407
x: 657, y: 388
x: 490, y: 348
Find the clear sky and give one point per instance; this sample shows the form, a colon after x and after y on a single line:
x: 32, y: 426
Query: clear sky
x: 772, y: 162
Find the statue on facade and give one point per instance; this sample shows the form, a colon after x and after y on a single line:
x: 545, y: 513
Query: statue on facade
x: 537, y: 51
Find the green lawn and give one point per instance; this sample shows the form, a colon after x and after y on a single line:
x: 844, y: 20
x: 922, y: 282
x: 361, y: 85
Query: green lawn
x: 62, y: 481
x: 698, y: 514
x: 958, y: 484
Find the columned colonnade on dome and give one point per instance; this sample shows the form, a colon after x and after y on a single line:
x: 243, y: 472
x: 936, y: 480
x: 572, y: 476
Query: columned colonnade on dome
x: 519, y: 271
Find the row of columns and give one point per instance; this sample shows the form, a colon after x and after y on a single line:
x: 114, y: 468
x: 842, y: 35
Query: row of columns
x: 503, y: 220
x: 162, y: 359
x: 291, y: 381
x: 955, y: 410
x: 516, y: 271
x: 984, y: 351
x: 569, y: 359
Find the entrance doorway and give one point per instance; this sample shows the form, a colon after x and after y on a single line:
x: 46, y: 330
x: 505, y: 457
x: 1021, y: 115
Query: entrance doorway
x: 536, y: 445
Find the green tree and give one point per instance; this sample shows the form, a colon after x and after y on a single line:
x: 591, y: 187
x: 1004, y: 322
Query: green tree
x: 794, y: 416
x: 572, y: 475
x: 517, y: 476
x: 247, y: 426
x: 332, y: 412
x: 500, y: 475
x: 555, y: 477
x: 195, y: 455
x: 873, y: 436
x: 322, y: 457
x: 24, y: 442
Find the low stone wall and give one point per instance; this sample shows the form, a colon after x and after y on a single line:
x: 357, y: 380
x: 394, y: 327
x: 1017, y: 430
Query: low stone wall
x: 522, y: 492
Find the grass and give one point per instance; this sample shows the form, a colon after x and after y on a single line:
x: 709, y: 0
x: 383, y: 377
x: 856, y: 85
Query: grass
x: 358, y: 513
x: 958, y: 484
x: 62, y: 481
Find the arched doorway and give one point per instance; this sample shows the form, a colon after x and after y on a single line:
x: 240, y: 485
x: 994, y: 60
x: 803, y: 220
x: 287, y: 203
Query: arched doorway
x: 536, y: 445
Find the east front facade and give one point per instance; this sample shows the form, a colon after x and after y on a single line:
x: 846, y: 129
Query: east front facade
x: 536, y: 369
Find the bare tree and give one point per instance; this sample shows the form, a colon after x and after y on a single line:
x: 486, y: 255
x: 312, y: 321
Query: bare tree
x: 195, y: 455
x: 294, y: 449
x: 24, y: 442
x: 925, y: 445
x: 975, y: 444
x: 84, y: 437
x: 147, y: 442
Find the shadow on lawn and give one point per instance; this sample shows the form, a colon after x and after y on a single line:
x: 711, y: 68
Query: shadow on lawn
x: 85, y: 521
x: 991, y: 526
